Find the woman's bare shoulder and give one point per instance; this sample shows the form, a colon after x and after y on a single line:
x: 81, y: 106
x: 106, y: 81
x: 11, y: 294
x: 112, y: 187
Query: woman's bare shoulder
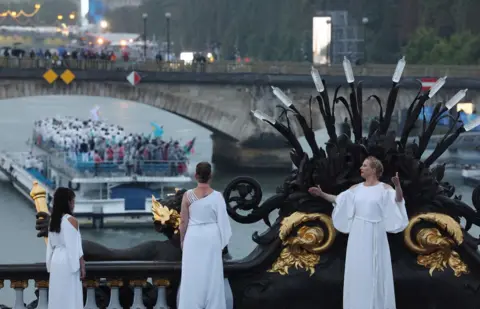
x: 73, y: 221
x: 387, y: 186
x: 353, y: 187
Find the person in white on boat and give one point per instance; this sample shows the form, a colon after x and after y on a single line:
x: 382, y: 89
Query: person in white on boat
x: 64, y: 258
x: 204, y: 231
x: 80, y: 139
x: 367, y: 211
x: 33, y: 162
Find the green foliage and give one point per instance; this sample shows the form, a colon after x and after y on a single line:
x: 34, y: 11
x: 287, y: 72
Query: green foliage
x: 426, y: 47
x: 267, y: 29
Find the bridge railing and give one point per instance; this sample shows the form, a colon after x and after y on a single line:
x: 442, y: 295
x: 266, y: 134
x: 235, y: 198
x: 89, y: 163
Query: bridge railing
x: 259, y: 67
x: 108, y: 278
x: 76, y: 166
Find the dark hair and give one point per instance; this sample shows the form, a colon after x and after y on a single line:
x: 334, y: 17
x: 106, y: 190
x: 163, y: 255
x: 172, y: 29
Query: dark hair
x: 61, y: 206
x: 203, y: 172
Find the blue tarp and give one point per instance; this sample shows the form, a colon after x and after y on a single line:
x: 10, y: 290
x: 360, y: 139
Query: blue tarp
x: 134, y: 196
x: 39, y: 176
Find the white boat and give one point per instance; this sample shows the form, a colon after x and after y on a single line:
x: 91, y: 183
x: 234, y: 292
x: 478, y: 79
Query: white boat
x: 109, y: 199
x: 114, y: 192
x: 471, y: 176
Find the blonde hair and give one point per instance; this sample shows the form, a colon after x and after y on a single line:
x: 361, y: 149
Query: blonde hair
x: 376, y: 165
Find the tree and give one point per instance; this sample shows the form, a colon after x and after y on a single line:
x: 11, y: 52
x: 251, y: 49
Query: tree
x: 426, y: 47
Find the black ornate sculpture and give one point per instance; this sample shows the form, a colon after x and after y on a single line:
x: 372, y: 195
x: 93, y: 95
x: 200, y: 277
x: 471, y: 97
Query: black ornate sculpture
x: 299, y: 259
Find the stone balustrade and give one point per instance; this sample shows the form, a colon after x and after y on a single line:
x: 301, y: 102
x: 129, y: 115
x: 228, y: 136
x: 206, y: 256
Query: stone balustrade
x: 259, y: 67
x: 113, y: 278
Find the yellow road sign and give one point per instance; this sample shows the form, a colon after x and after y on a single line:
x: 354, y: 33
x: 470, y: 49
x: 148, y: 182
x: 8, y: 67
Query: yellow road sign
x: 67, y: 76
x: 50, y: 76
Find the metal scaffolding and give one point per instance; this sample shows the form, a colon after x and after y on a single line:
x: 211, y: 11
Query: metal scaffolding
x: 348, y: 37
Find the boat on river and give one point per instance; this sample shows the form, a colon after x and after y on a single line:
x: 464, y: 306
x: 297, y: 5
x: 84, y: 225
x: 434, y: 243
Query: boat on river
x: 471, y: 176
x: 109, y: 193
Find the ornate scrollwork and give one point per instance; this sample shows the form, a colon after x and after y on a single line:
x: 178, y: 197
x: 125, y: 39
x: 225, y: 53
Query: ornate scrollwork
x: 245, y: 194
x: 434, y: 248
x: 303, y: 249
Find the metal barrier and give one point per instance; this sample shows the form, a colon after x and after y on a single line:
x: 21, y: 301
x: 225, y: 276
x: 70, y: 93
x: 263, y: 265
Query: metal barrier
x: 259, y: 67
x: 73, y: 165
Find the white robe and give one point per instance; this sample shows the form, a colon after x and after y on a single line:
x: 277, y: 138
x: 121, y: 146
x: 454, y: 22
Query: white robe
x: 202, y: 284
x: 64, y: 251
x: 367, y: 213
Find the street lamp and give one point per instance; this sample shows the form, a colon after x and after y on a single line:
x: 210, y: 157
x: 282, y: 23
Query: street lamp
x: 167, y: 17
x: 60, y: 17
x: 365, y: 22
x: 144, y: 16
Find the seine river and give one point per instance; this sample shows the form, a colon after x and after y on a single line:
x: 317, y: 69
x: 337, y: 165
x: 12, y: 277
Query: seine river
x: 17, y: 232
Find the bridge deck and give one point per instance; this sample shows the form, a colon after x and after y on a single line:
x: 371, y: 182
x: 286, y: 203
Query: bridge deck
x: 259, y: 67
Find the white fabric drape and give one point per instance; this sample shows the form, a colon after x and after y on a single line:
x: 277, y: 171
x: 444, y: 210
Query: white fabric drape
x: 367, y: 213
x: 64, y: 251
x: 202, y: 283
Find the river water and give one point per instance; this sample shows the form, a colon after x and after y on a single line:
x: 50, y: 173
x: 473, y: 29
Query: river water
x: 18, y: 236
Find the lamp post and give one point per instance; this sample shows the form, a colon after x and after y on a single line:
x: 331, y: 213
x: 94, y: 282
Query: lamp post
x: 72, y: 17
x: 103, y: 25
x: 167, y: 18
x: 365, y: 22
x: 144, y: 16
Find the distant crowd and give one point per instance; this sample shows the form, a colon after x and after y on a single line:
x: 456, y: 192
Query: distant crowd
x: 64, y: 54
x: 99, y: 142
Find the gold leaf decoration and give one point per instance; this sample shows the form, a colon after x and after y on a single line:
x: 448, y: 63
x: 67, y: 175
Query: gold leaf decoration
x: 434, y: 248
x: 164, y: 215
x: 302, y: 250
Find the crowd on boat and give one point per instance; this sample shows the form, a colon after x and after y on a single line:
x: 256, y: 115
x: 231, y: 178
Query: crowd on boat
x: 97, y: 142
x: 34, y: 162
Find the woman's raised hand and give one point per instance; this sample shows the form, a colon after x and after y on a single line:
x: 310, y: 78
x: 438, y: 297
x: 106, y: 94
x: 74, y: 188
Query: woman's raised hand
x: 396, y: 180
x: 315, y: 191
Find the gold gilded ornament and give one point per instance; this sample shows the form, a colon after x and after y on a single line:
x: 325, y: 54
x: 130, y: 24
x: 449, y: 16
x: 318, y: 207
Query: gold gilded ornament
x: 41, y: 284
x: 138, y: 283
x: 39, y: 196
x: 164, y: 215
x: 303, y: 249
x: 435, y: 249
x: 161, y: 282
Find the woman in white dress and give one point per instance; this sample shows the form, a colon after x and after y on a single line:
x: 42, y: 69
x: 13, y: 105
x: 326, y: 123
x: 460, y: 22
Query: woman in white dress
x: 367, y: 211
x: 204, y: 232
x: 64, y: 260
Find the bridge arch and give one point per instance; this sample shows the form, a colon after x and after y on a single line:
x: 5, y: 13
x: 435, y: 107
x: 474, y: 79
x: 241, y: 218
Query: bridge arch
x: 216, y: 120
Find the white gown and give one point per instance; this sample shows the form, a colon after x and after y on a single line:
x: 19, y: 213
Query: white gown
x: 202, y: 284
x: 367, y: 213
x: 64, y: 251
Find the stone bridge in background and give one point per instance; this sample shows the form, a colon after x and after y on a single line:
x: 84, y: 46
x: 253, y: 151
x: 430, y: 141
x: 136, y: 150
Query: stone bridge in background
x: 223, y: 109
x: 220, y: 102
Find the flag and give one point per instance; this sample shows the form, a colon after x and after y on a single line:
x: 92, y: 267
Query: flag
x: 156, y: 129
x: 428, y: 82
x: 95, y: 114
x: 188, y: 148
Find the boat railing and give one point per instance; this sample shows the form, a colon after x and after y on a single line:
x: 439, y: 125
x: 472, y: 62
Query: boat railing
x: 76, y: 165
x: 110, y: 277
